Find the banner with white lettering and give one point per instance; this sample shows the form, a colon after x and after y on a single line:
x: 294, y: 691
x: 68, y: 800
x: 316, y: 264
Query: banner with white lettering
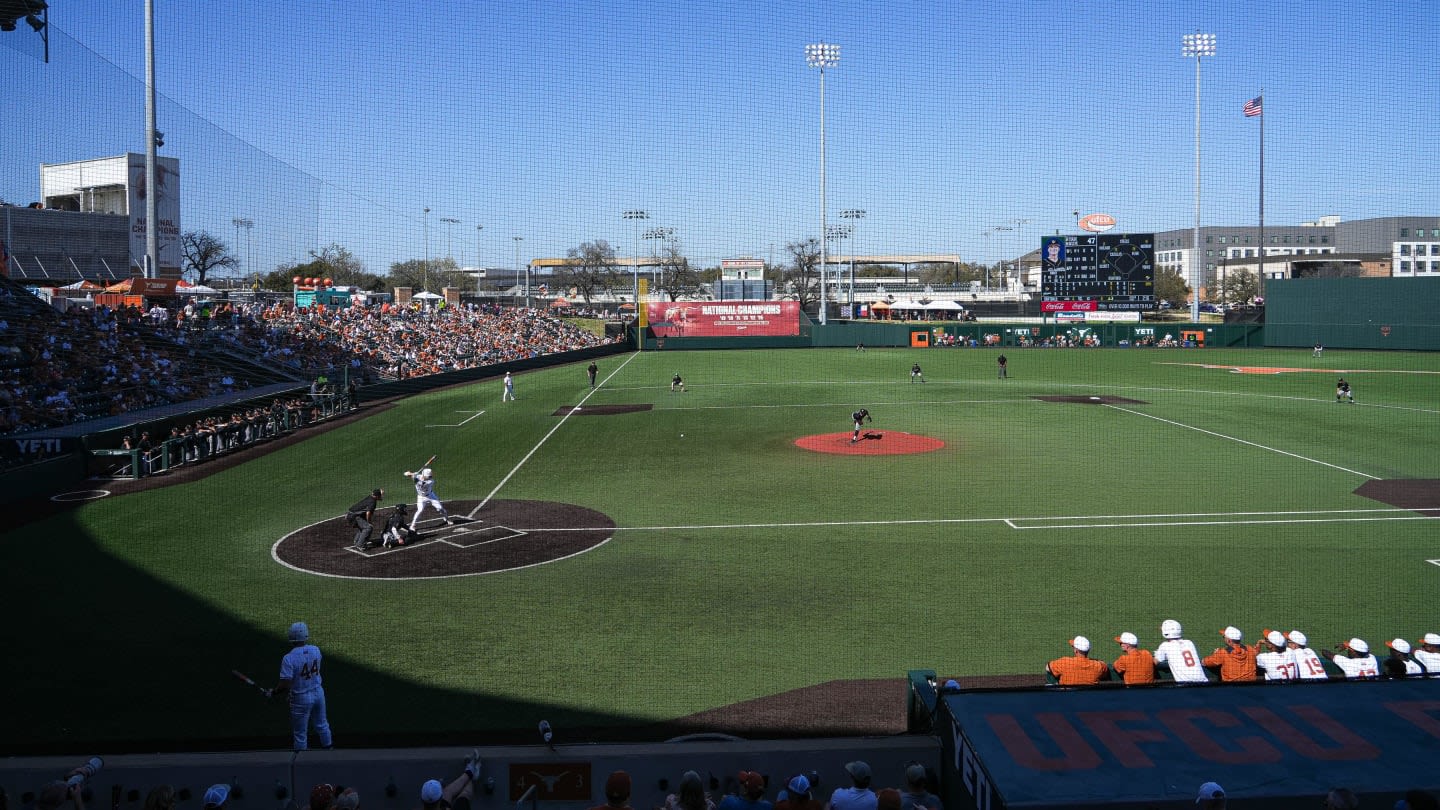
x: 724, y: 318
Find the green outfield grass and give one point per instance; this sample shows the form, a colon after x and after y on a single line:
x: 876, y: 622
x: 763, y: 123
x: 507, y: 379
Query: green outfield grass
x: 744, y: 566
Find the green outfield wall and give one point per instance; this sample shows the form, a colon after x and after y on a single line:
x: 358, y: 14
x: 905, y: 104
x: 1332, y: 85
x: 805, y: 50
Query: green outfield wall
x: 879, y: 334
x: 1354, y: 313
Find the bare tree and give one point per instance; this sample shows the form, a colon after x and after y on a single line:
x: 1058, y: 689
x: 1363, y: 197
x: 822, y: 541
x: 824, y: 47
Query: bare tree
x: 203, y: 253
x: 676, y: 277
x: 1239, y: 286
x: 801, y: 280
x: 589, y: 268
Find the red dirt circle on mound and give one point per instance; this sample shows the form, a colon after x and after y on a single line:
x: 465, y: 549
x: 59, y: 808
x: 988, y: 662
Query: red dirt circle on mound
x: 872, y: 443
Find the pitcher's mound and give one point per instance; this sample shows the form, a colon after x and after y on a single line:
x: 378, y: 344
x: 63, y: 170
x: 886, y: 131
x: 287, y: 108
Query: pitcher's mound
x: 872, y: 443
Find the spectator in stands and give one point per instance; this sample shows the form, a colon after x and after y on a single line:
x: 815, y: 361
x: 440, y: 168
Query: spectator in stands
x: 889, y: 799
x: 1307, y: 662
x: 858, y: 796
x: 1418, y: 800
x: 1236, y: 660
x: 798, y: 795
x: 1078, y: 669
x: 1429, y: 654
x: 1212, y: 797
x: 1276, y: 661
x: 322, y: 796
x: 1135, y: 665
x: 1342, y: 799
x: 1354, y: 659
x: 347, y: 800
x: 216, y: 797
x: 59, y: 792
x: 749, y: 795
x: 690, y: 796
x: 617, y: 792
x: 160, y: 797
x: 435, y: 796
x: 1178, y: 654
x: 1399, y: 664
x: 917, y: 794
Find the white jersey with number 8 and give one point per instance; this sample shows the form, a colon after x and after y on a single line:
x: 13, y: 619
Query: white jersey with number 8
x: 1184, y: 660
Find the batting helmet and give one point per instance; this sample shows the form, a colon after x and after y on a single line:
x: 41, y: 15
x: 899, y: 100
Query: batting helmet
x: 299, y: 632
x: 1170, y: 629
x: 426, y: 473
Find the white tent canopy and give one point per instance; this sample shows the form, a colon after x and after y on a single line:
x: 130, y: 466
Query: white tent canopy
x: 426, y: 296
x: 196, y: 289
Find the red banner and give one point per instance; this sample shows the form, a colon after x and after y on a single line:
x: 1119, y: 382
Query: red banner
x: 1069, y: 306
x: 724, y: 318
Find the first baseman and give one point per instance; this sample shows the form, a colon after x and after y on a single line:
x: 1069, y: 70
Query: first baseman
x: 425, y: 496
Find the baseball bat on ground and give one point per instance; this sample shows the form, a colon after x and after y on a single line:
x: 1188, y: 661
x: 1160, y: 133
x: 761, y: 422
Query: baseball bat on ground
x: 246, y: 679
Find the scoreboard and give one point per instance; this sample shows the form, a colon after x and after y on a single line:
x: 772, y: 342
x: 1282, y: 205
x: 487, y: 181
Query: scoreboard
x: 1098, y: 272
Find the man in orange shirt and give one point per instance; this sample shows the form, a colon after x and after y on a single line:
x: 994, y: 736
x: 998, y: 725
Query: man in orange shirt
x: 1135, y: 665
x: 1235, y: 661
x: 1079, y: 669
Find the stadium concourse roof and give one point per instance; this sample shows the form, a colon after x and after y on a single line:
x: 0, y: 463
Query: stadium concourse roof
x: 884, y: 258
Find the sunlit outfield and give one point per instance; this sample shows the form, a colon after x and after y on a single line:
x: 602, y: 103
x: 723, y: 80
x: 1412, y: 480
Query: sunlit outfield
x: 744, y: 566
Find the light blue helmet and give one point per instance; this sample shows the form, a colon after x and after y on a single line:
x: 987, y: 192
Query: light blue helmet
x: 299, y: 632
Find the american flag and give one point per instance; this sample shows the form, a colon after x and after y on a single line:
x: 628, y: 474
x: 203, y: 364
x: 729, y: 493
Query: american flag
x: 1254, y: 107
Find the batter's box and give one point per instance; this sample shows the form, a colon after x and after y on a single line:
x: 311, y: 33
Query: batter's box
x: 476, y: 535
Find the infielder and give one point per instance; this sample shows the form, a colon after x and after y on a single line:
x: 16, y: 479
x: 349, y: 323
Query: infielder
x: 425, y: 495
x: 509, y: 394
x: 1342, y: 391
x: 916, y: 374
x: 300, y: 677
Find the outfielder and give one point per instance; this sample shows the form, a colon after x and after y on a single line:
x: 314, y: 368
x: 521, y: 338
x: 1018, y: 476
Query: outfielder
x: 425, y: 496
x: 916, y: 373
x: 300, y: 677
x: 508, y: 395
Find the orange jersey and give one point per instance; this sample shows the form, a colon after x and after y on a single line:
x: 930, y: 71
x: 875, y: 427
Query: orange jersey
x: 1237, y: 663
x: 1136, y: 666
x: 1078, y: 670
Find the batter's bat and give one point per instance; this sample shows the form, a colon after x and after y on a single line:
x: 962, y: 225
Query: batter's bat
x: 246, y: 679
x: 427, y: 462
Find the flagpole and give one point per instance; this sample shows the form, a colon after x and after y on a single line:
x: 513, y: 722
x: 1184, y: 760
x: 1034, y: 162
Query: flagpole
x: 1260, y: 289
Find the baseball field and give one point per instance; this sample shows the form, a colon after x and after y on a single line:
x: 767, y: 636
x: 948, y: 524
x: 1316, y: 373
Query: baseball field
x: 630, y: 555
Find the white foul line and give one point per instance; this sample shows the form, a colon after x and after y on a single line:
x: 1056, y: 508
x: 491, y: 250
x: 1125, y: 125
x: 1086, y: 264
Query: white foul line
x: 547, y: 436
x: 1244, y: 441
x: 462, y: 424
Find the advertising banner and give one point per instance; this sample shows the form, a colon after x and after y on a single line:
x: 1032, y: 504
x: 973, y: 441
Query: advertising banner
x: 1069, y: 306
x: 724, y: 318
x: 167, y: 210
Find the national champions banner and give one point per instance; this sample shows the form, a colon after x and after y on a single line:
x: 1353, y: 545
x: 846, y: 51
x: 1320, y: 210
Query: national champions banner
x: 724, y: 318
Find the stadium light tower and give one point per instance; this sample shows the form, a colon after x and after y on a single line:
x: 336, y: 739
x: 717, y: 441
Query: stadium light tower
x: 1020, y: 251
x: 426, y: 269
x: 450, y: 222
x: 635, y: 215
x: 518, y: 240
x: 822, y: 55
x: 854, y: 215
x: 1199, y: 46
x: 247, y: 224
x: 479, y: 267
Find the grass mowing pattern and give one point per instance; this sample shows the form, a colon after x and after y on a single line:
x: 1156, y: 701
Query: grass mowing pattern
x: 743, y: 565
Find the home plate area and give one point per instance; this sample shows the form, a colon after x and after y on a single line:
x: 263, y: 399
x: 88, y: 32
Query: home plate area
x: 504, y: 535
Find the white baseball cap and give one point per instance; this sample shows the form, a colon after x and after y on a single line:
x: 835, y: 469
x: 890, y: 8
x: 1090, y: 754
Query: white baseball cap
x: 1431, y: 638
x: 1208, y: 791
x: 1358, y: 645
x: 1275, y: 637
x: 1233, y: 633
x: 1128, y: 638
x: 1080, y: 643
x: 1298, y: 637
x: 1399, y: 645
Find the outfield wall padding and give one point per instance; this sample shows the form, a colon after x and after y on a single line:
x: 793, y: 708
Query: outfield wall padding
x: 1354, y: 313
x: 882, y: 334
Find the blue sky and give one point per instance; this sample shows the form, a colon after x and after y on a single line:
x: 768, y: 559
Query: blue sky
x: 339, y: 122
